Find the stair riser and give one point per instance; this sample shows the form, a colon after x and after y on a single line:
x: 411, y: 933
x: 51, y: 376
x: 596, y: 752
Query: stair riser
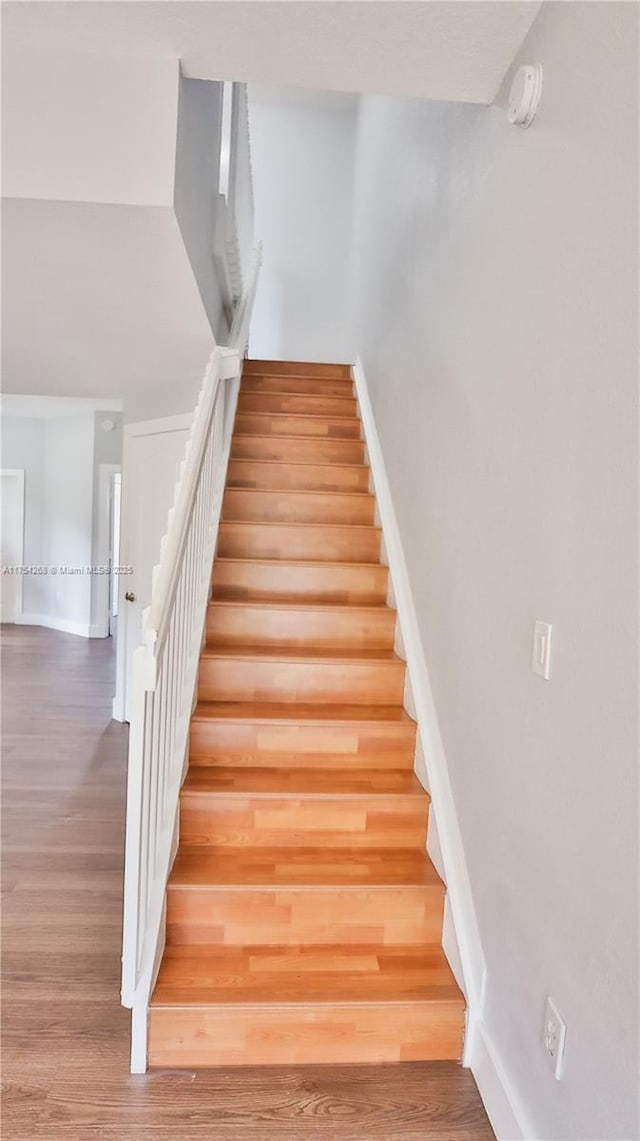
x: 370, y: 745
x: 351, y: 682
x: 281, y: 449
x: 305, y: 385
x: 291, y: 542
x: 297, y: 477
x: 293, y: 822
x: 289, y: 582
x: 298, y: 507
x: 305, y: 1033
x: 309, y: 369
x: 275, y: 424
x: 386, y: 916
x: 307, y: 404
x: 356, y: 628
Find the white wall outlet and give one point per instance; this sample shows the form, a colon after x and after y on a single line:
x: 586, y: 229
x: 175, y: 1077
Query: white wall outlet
x: 554, y: 1034
x: 542, y: 649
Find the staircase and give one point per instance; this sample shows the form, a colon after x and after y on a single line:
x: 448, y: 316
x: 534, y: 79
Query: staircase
x: 304, y: 918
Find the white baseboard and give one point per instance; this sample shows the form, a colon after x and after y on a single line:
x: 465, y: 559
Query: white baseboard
x: 97, y: 630
x: 467, y: 934
x: 81, y: 629
x: 504, y: 1111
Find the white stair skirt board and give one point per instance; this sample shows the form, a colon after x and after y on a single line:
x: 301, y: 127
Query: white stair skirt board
x: 460, y: 900
x: 508, y: 1119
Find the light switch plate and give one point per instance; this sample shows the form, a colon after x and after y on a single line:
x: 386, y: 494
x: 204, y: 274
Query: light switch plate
x: 554, y: 1035
x: 542, y: 649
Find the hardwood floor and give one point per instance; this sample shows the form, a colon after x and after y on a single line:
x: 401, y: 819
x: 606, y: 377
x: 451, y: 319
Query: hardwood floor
x: 65, y: 1036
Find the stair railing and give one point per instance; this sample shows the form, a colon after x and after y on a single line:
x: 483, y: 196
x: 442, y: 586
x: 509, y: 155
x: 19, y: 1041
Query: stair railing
x: 165, y: 667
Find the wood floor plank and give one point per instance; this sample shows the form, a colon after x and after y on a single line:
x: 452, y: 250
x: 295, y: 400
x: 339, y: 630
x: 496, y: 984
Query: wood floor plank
x: 268, y: 505
x: 330, y: 542
x: 296, y: 449
x: 323, y: 385
x: 238, y: 623
x: 367, y: 736
x: 296, y: 368
x: 303, y: 867
x: 251, y: 674
x: 281, y: 580
x: 309, y: 403
x: 302, y: 476
x: 332, y: 427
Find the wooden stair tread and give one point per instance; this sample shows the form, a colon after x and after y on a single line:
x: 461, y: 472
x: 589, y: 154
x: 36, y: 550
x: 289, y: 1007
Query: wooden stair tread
x: 312, y: 395
x: 299, y: 463
x: 306, y: 563
x: 253, y: 375
x: 287, y: 653
x: 306, y: 492
x: 295, y: 382
x: 303, y: 867
x: 235, y: 759
x: 276, y: 782
x: 238, y: 578
x: 292, y: 713
x: 344, y: 527
x: 216, y: 975
x: 296, y: 368
x: 295, y: 604
x: 300, y: 415
x: 272, y: 437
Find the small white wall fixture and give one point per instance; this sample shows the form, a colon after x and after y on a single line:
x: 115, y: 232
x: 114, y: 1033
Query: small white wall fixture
x: 525, y: 95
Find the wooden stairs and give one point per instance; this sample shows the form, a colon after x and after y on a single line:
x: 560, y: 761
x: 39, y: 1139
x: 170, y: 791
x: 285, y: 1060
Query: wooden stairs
x: 304, y: 917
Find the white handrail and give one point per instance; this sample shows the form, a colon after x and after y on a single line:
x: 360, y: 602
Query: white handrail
x: 165, y: 669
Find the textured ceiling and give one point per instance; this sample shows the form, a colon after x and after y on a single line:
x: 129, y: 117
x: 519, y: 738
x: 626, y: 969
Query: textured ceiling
x: 451, y: 50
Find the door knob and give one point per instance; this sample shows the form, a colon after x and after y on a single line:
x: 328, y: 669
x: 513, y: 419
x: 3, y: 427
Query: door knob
x: 130, y: 596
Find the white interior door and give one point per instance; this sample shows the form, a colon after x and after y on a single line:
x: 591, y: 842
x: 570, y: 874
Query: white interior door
x: 153, y: 452
x: 11, y: 542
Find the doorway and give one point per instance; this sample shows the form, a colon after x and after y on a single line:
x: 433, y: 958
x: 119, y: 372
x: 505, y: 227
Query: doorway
x: 115, y: 496
x: 153, y: 452
x: 11, y: 543
x: 108, y: 550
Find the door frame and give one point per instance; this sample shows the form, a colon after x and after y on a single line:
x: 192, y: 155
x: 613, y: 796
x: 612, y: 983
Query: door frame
x: 103, y: 548
x: 18, y: 473
x: 130, y: 432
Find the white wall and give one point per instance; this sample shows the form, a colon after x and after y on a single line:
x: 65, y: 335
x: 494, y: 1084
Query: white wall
x: 196, y: 187
x: 241, y: 181
x: 57, y: 455
x: 103, y: 278
x: 303, y: 168
x: 89, y: 127
x: 97, y: 300
x: 23, y: 447
x: 154, y: 402
x: 495, y: 291
x: 107, y: 449
x: 67, y: 510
